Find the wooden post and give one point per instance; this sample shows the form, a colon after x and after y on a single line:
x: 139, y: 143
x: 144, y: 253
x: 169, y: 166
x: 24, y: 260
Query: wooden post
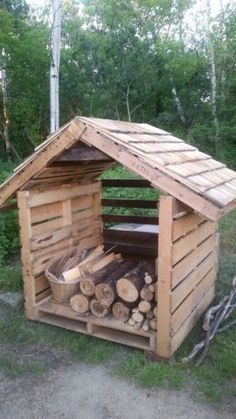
x: 164, y: 277
x: 25, y: 236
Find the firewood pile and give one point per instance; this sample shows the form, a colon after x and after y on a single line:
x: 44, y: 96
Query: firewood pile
x: 109, y: 285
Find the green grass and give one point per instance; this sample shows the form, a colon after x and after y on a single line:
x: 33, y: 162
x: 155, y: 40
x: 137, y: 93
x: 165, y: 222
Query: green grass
x: 213, y: 380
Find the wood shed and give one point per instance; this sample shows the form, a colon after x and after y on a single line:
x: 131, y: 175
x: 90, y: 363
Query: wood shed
x: 60, y: 205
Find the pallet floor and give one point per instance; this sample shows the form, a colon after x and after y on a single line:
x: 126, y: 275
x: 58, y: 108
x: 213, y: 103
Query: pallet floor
x: 62, y: 315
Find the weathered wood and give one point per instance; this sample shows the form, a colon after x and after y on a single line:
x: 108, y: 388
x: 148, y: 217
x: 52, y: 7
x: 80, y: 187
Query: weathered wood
x: 129, y: 203
x: 82, y: 154
x: 128, y: 287
x: 146, y: 325
x: 149, y: 314
x: 25, y: 236
x: 105, y: 292
x: 164, y: 276
x: 139, y: 219
x: 98, y: 309
x: 126, y: 183
x: 80, y: 303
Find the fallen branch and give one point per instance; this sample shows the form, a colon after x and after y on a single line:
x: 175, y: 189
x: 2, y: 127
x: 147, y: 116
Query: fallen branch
x: 213, y: 318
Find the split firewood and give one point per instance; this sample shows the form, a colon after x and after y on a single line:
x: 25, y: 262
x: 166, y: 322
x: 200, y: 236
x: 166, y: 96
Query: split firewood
x: 155, y: 311
x: 75, y: 273
x: 146, y: 293
x: 105, y: 292
x: 88, y: 284
x: 129, y: 286
x: 98, y: 309
x: 138, y: 317
x: 149, y: 314
x: 144, y: 306
x: 146, y: 325
x: 153, y: 324
x: 80, y: 303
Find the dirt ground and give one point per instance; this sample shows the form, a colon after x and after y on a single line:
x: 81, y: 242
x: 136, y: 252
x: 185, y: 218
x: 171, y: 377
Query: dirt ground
x: 79, y: 391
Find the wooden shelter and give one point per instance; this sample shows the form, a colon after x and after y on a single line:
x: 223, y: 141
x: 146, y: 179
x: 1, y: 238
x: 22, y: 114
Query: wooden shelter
x: 60, y: 206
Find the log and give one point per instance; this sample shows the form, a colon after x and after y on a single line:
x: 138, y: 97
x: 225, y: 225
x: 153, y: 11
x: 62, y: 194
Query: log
x: 128, y: 287
x: 105, y: 292
x: 155, y: 311
x: 149, y: 314
x: 144, y: 306
x: 148, y: 279
x: 121, y: 311
x: 138, y: 325
x: 98, y: 309
x: 146, y: 325
x: 80, y: 303
x: 146, y: 293
x: 88, y: 284
x: 153, y: 324
x: 131, y: 322
x: 152, y: 287
x: 138, y: 317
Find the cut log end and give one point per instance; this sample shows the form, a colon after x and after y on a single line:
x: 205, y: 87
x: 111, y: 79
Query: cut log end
x: 79, y: 303
x: 87, y: 287
x: 126, y: 290
x: 105, y: 294
x: 98, y: 309
x: 120, y: 311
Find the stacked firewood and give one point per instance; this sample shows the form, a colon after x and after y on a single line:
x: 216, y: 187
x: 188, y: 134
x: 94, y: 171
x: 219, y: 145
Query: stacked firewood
x: 111, y: 285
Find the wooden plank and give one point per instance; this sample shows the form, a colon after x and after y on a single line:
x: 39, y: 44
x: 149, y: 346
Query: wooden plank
x: 41, y: 283
x: 47, y: 226
x: 185, y: 224
x: 129, y: 203
x: 132, y: 237
x: 131, y: 249
x: 61, y: 194
x: 190, y: 322
x: 39, y: 263
x: 82, y: 154
x: 68, y: 232
x: 191, y: 281
x: 155, y: 176
x: 205, y: 248
x: 164, y: 277
x: 25, y: 236
x: 192, y: 301
x: 46, y: 212
x: 139, y: 219
x: 126, y: 183
x: 81, y: 203
x: 42, y: 295
x: 39, y: 160
x: 86, y: 214
x: 187, y: 243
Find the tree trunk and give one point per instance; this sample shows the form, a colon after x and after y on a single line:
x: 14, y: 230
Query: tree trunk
x: 55, y: 64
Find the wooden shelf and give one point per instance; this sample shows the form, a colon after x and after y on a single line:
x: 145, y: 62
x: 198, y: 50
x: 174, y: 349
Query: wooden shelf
x: 108, y: 328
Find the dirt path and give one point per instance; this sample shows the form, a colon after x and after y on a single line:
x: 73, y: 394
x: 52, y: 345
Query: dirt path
x: 90, y: 392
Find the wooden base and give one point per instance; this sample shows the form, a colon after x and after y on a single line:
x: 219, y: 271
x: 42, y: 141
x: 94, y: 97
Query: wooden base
x: 62, y: 315
x: 153, y: 357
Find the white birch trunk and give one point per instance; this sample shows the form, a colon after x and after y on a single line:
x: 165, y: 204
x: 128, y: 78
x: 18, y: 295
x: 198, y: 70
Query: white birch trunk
x: 213, y: 76
x: 55, y: 64
x: 178, y: 105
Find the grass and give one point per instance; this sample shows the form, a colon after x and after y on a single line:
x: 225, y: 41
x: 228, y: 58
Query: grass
x: 213, y: 380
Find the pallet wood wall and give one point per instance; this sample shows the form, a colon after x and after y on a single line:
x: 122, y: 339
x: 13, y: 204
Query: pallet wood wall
x: 187, y: 269
x: 52, y: 222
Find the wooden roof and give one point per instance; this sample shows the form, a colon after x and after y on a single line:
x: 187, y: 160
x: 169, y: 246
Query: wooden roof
x: 169, y: 163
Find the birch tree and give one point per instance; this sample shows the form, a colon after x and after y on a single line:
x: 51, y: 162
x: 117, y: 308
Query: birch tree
x: 55, y: 65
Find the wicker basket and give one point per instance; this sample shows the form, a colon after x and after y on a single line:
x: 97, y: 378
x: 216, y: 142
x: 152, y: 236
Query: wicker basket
x: 62, y: 292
